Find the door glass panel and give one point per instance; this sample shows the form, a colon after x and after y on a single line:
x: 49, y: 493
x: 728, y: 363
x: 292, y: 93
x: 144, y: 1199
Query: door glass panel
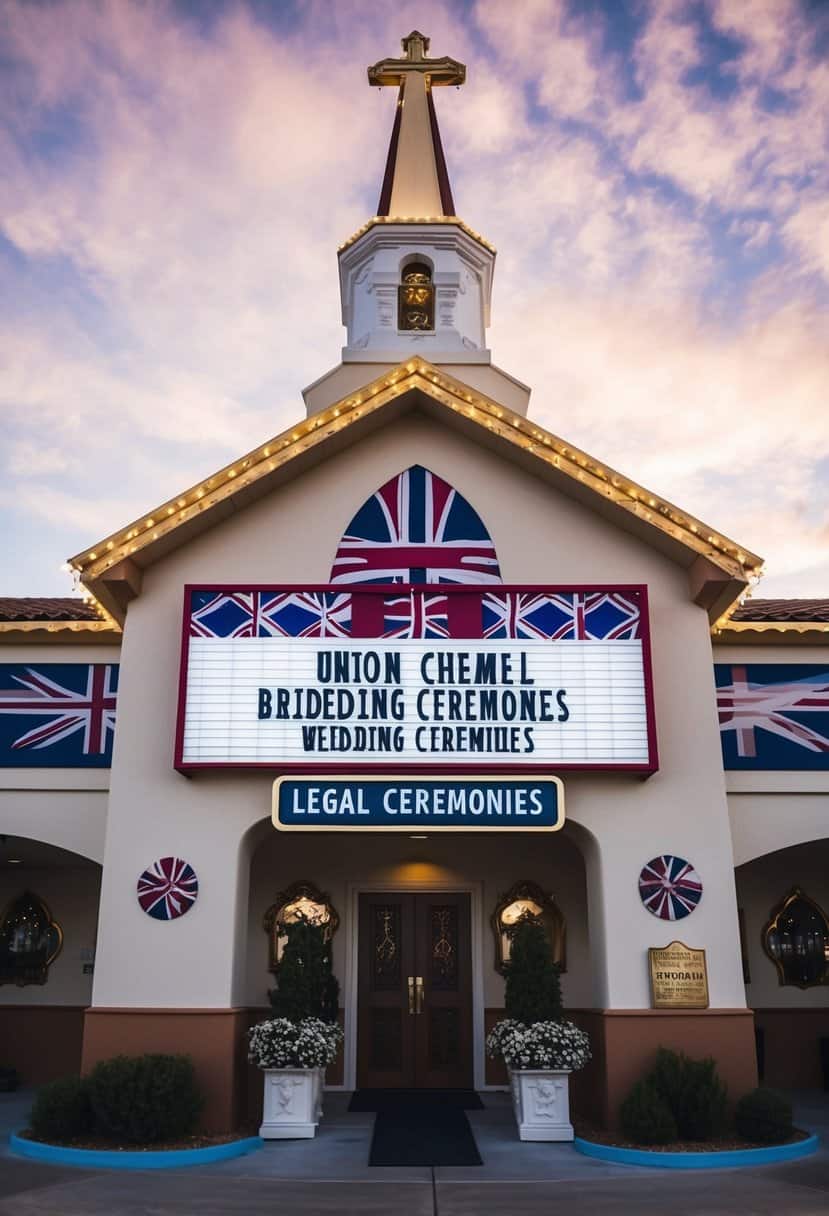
x: 443, y: 960
x: 385, y: 959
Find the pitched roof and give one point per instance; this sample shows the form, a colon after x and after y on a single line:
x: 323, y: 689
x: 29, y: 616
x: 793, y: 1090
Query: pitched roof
x: 65, y: 615
x: 55, y: 608
x: 112, y: 568
x: 815, y: 611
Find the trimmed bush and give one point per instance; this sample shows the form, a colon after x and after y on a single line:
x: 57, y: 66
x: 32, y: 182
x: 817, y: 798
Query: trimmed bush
x: 144, y: 1099
x: 694, y: 1092
x: 764, y: 1117
x: 62, y: 1110
x: 646, y: 1117
x: 533, y: 989
x: 306, y: 986
x: 701, y: 1113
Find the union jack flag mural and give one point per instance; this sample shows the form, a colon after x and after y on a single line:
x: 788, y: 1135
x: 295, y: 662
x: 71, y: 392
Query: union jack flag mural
x: 563, y: 616
x: 773, y: 715
x: 670, y: 887
x: 262, y: 614
x: 168, y: 888
x: 57, y: 715
x: 416, y: 529
x: 416, y: 614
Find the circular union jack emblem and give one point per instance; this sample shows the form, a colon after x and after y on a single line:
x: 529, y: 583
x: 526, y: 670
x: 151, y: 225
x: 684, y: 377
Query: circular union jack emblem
x: 168, y: 888
x: 670, y: 887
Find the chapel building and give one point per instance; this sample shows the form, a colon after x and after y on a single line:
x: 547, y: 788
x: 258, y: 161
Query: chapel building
x: 415, y: 667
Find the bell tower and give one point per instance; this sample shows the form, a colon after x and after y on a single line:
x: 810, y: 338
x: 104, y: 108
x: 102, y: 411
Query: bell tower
x: 416, y: 279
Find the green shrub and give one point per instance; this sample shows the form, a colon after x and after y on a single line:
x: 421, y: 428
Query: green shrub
x: 763, y: 1116
x: 701, y: 1114
x: 533, y: 989
x: 306, y: 986
x: 646, y: 1117
x: 61, y: 1110
x: 144, y: 1099
x: 694, y: 1092
x: 668, y: 1076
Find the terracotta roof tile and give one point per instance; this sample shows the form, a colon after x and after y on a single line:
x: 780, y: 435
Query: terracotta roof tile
x: 782, y: 610
x: 58, y: 608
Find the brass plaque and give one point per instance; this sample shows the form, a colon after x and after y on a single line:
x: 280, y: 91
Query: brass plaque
x: 679, y: 978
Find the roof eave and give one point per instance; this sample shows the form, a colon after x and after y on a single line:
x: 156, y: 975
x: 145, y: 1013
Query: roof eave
x: 111, y: 570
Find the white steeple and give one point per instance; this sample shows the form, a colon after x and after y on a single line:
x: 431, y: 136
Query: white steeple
x: 416, y: 280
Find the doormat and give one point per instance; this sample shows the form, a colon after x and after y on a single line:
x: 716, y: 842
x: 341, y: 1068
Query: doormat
x: 407, y: 1099
x: 423, y: 1134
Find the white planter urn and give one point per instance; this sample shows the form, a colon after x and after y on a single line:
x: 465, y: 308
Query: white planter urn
x: 292, y: 1105
x: 541, y: 1101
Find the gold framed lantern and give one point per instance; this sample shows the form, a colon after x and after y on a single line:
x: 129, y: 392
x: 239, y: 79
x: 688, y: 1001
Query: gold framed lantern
x: 301, y: 901
x: 527, y: 900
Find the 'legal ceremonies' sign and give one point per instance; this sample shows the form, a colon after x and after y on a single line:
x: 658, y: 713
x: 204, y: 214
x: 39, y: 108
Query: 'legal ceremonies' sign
x: 404, y: 679
x: 679, y: 977
x: 372, y: 804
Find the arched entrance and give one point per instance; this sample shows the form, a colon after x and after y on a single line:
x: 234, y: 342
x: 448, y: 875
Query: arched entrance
x: 46, y: 971
x: 441, y: 891
x: 783, y: 899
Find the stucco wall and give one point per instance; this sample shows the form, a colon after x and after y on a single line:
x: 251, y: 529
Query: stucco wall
x: 291, y: 536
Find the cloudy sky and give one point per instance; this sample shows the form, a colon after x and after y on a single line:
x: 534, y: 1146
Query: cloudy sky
x: 175, y: 179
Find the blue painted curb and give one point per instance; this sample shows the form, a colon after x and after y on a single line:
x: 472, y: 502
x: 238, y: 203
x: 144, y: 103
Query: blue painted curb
x: 698, y: 1161
x: 130, y: 1159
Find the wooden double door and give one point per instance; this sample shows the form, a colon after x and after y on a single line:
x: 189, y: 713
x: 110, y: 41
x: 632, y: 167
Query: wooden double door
x: 414, y: 991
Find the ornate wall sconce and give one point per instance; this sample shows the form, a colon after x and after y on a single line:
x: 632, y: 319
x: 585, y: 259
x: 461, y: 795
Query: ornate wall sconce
x: 30, y: 941
x: 301, y: 899
x: 796, y: 939
x: 527, y: 899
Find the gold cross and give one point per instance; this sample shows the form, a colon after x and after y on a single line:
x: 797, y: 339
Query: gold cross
x: 415, y: 46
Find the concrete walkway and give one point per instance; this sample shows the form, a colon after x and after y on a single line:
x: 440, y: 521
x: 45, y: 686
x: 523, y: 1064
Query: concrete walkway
x: 329, y: 1177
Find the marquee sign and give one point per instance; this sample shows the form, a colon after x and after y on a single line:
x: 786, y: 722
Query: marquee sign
x: 371, y: 804
x: 416, y: 679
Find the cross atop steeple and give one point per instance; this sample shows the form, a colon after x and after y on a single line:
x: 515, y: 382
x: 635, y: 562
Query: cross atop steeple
x: 415, y: 46
x: 416, y: 182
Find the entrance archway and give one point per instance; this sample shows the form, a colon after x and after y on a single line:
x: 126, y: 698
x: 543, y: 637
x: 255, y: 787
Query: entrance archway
x: 483, y: 868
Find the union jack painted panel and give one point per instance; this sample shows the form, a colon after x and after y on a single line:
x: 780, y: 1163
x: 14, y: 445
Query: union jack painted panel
x: 562, y: 616
x: 263, y: 614
x: 416, y: 529
x: 773, y: 715
x: 583, y: 616
x: 57, y: 715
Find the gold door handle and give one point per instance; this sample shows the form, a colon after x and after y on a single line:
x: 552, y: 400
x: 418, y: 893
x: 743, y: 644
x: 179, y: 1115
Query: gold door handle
x: 412, y: 995
x: 419, y: 993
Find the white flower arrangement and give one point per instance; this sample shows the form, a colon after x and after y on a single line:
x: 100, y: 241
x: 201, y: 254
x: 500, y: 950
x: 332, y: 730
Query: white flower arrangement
x: 558, y: 1046
x: 281, y: 1043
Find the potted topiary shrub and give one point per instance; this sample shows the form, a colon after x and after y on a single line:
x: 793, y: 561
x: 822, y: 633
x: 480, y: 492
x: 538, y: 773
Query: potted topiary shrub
x: 538, y: 1045
x: 294, y: 1048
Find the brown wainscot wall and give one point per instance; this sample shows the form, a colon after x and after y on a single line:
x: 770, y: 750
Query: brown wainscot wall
x: 624, y: 1043
x: 791, y: 1046
x: 43, y: 1042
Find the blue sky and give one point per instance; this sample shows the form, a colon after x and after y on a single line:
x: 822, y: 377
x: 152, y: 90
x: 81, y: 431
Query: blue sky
x: 177, y: 177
